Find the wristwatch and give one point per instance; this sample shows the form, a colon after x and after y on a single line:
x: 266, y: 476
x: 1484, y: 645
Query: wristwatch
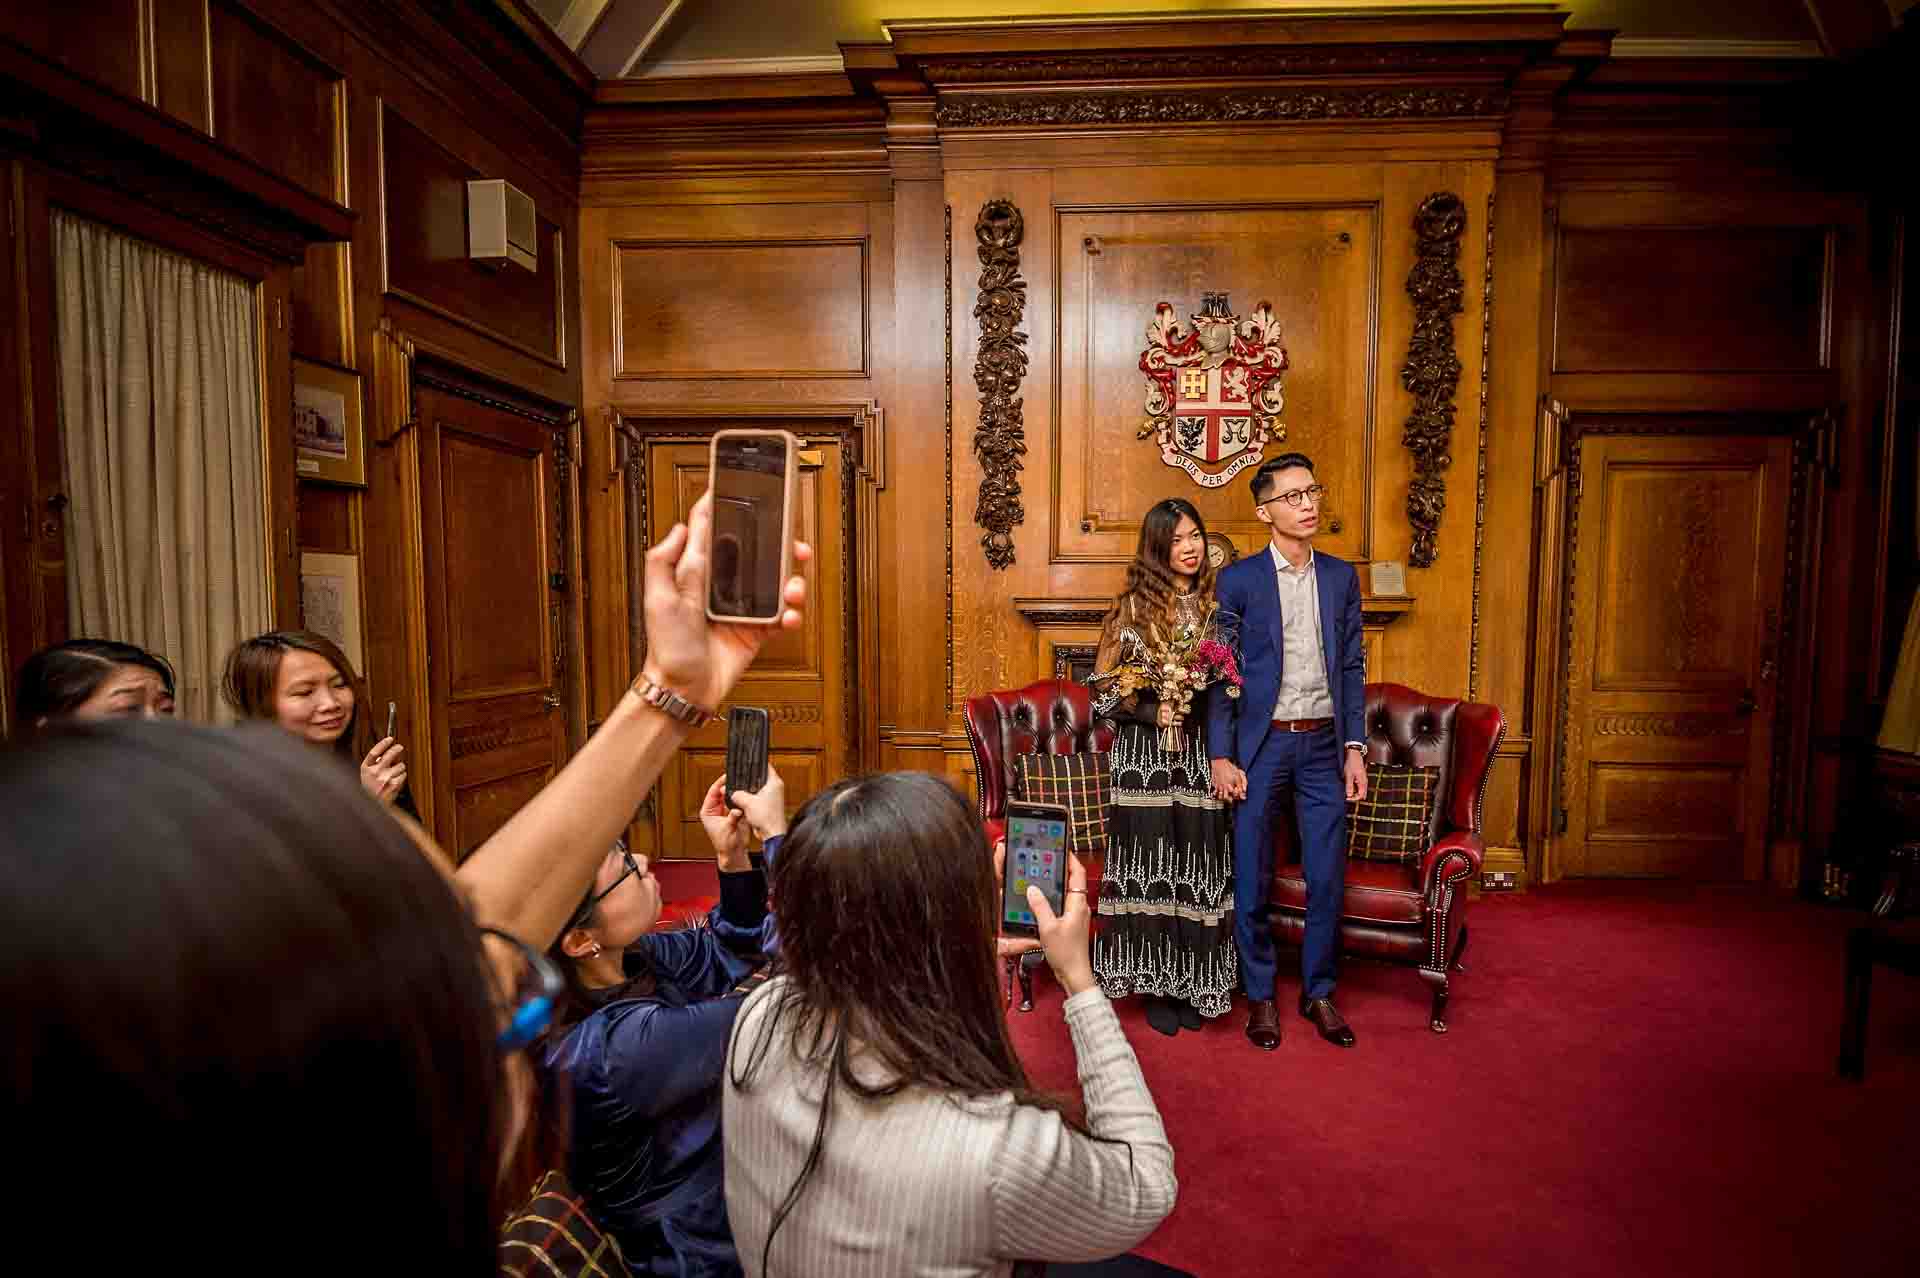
x: 1361, y: 746
x: 672, y: 704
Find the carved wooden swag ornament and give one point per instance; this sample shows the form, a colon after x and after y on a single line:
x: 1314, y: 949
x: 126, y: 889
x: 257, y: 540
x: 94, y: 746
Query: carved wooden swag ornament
x: 1432, y: 370
x: 1000, y: 441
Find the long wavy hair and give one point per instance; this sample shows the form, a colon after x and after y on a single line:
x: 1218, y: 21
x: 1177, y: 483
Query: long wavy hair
x: 1147, y: 603
x: 888, y: 911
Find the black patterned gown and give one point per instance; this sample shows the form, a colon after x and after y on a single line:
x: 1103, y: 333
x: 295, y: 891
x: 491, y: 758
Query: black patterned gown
x: 1166, y: 900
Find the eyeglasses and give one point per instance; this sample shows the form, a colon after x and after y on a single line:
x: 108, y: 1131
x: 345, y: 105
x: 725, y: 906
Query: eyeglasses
x: 585, y: 912
x: 532, y: 995
x: 1315, y: 493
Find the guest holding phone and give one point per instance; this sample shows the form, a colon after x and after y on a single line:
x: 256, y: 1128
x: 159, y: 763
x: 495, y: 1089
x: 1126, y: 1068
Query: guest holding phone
x: 877, y: 1120
x: 304, y: 683
x: 292, y: 1021
x: 1166, y: 905
x: 641, y: 1037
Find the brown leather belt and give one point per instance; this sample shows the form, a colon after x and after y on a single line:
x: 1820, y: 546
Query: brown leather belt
x: 1300, y: 725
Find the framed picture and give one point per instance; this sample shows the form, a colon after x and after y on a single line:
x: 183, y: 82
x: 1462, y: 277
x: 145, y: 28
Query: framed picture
x: 329, y: 430
x: 330, y: 601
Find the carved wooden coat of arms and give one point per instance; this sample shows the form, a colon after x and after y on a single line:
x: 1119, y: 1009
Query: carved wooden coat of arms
x: 1213, y: 390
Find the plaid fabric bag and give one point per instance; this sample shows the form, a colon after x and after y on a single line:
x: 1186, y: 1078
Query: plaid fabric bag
x: 553, y: 1235
x: 1081, y: 783
x: 1395, y: 821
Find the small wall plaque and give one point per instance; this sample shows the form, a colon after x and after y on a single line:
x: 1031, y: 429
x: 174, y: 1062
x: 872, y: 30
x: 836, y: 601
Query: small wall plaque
x: 1387, y: 577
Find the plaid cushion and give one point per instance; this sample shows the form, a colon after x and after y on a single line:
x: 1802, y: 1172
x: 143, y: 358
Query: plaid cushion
x: 1393, y: 822
x: 1081, y: 783
x: 552, y: 1234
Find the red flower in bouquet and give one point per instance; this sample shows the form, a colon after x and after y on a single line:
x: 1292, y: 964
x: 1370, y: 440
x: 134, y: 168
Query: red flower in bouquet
x: 1213, y: 662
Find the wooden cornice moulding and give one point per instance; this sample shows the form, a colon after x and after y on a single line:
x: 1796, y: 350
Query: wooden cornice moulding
x: 1230, y: 106
x: 917, y: 40
x: 1058, y: 614
x: 80, y: 128
x: 1384, y: 610
x: 730, y: 88
x: 418, y: 39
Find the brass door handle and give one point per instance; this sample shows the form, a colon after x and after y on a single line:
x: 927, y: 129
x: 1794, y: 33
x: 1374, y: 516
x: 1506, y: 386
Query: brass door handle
x: 1746, y: 704
x: 550, y: 701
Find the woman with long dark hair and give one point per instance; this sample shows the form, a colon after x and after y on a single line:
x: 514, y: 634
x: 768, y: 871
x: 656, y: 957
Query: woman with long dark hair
x: 877, y: 1120
x: 86, y: 679
x: 250, y: 1016
x: 1166, y: 898
x: 304, y: 682
x: 639, y: 1043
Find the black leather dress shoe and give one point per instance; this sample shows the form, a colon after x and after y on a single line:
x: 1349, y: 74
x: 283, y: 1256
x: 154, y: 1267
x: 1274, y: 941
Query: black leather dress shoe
x: 1263, y: 1024
x: 1327, y: 1019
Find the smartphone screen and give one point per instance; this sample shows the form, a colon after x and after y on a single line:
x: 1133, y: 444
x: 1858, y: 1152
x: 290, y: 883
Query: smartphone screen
x: 1036, y: 854
x: 749, y: 525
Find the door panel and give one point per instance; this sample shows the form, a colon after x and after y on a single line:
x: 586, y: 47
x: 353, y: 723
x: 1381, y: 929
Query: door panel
x: 1680, y: 563
x: 800, y: 677
x: 496, y: 612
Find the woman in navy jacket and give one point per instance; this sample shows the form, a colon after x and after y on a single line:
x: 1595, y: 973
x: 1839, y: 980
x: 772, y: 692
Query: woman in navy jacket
x: 643, y: 1041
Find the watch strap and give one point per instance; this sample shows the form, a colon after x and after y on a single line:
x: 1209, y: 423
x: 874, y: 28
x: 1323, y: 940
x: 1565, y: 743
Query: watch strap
x: 672, y: 704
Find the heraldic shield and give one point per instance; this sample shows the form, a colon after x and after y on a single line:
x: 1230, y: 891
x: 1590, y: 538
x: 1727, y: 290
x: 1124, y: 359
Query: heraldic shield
x: 1213, y: 391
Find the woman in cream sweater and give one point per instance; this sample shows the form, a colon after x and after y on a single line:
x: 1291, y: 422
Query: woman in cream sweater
x: 876, y: 1119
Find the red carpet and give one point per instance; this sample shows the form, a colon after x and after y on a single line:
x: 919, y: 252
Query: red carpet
x: 1639, y: 1080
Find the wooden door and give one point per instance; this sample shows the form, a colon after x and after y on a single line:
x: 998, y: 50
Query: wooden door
x: 801, y: 677
x: 494, y: 514
x: 1680, y: 561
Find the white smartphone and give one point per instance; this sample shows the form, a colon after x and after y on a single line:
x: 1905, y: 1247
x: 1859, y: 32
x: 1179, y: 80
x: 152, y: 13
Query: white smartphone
x: 751, y: 553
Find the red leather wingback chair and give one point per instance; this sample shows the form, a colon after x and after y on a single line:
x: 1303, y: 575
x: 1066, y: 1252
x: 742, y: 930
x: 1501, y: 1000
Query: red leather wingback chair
x: 1413, y: 914
x: 1054, y: 716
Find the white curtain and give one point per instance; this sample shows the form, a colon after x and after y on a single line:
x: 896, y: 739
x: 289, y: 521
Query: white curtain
x: 160, y: 419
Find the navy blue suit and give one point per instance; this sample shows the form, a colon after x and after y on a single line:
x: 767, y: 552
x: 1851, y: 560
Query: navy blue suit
x: 1240, y: 729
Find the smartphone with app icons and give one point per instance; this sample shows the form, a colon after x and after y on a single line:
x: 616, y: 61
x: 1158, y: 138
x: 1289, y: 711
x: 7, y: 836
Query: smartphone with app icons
x: 1037, y: 835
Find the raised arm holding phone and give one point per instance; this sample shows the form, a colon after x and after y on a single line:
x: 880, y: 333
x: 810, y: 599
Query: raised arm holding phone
x: 245, y: 872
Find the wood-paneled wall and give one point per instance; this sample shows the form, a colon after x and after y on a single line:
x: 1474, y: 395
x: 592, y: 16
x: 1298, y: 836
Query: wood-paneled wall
x: 350, y: 127
x: 1617, y: 250
x: 1638, y: 239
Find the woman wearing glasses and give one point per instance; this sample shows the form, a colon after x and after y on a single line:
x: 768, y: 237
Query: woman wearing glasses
x: 1166, y: 904
x: 642, y: 1036
x: 247, y: 1016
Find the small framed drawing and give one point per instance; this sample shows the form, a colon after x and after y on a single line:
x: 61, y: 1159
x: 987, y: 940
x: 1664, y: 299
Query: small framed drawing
x: 330, y: 601
x: 329, y: 431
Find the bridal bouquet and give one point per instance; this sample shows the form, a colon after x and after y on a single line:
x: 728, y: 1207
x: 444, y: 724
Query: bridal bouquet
x: 1188, y: 663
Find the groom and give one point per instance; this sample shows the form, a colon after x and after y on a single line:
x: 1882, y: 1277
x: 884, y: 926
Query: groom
x: 1294, y: 618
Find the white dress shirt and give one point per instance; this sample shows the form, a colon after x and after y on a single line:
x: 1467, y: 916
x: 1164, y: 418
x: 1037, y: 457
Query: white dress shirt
x: 1304, y: 691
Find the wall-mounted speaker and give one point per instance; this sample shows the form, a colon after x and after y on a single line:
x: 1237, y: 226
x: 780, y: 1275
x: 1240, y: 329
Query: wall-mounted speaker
x: 501, y: 228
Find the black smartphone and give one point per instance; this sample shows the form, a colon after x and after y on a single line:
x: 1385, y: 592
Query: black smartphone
x: 1037, y: 835
x: 751, y: 555
x: 747, y: 728
x: 393, y: 714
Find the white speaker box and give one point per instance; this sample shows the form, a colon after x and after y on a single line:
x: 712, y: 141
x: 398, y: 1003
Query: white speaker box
x: 501, y: 228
